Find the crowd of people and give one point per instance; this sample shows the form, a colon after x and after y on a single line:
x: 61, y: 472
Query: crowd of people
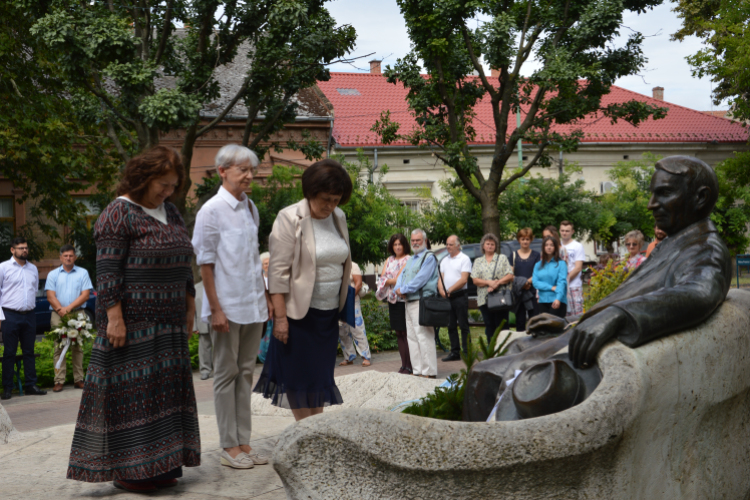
x: 137, y: 424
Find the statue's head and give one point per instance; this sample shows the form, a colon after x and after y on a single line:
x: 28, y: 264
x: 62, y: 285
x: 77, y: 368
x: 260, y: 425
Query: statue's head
x: 684, y: 190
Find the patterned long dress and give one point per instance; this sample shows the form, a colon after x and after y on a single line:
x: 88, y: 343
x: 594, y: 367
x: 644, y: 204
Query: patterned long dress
x: 138, y: 418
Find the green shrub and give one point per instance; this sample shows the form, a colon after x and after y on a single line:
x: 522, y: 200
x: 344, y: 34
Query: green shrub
x: 447, y: 403
x: 604, y: 282
x: 380, y: 337
x: 45, y: 366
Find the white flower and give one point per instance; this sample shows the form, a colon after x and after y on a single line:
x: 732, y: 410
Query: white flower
x: 80, y: 324
x: 82, y: 316
x: 89, y: 326
x: 73, y: 334
x: 72, y: 323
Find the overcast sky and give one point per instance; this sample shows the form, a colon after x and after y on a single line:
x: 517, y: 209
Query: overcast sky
x: 380, y: 29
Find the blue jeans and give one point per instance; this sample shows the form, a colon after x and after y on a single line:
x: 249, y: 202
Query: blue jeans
x: 18, y: 328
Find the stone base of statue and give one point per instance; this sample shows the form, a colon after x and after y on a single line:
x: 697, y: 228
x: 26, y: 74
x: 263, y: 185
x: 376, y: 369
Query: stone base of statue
x: 669, y: 420
x: 8, y: 433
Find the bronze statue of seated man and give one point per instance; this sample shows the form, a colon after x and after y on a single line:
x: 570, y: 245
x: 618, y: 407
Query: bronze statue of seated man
x: 686, y: 277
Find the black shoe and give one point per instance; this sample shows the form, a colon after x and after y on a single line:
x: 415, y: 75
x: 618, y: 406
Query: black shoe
x: 33, y: 390
x: 6, y: 394
x: 452, y: 357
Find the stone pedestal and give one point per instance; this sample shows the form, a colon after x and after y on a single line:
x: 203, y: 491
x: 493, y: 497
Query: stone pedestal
x: 7, y: 431
x: 669, y: 420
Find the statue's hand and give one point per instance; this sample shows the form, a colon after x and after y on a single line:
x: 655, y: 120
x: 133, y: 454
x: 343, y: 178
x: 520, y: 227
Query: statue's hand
x: 545, y: 324
x: 589, y: 337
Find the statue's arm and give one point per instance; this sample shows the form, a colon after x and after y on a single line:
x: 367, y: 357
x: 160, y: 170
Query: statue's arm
x: 700, y: 286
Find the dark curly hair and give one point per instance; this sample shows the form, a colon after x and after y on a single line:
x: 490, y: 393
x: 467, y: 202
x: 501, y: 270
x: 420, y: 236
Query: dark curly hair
x: 147, y: 166
x: 327, y: 176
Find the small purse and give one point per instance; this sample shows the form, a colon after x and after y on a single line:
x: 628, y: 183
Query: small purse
x: 435, y: 310
x: 500, y: 300
x: 346, y: 315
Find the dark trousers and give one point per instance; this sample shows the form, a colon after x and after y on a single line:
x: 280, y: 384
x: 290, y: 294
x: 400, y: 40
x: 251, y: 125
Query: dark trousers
x: 459, y: 318
x: 403, y: 349
x: 523, y: 314
x: 547, y: 308
x: 492, y: 321
x: 18, y: 328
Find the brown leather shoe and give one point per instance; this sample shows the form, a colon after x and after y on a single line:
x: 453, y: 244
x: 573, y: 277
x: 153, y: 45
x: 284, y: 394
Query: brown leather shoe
x: 57, y: 388
x: 78, y: 385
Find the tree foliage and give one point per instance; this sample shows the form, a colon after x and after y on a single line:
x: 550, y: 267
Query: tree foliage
x: 724, y: 28
x: 534, y: 202
x: 732, y: 212
x: 46, y: 150
x: 373, y: 214
x: 625, y: 208
x: 147, y: 67
x: 572, y: 40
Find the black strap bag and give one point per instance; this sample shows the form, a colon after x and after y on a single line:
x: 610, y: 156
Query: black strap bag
x: 434, y: 311
x: 503, y: 299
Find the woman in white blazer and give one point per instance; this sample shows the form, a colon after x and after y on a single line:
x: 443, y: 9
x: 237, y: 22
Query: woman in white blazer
x: 308, y: 278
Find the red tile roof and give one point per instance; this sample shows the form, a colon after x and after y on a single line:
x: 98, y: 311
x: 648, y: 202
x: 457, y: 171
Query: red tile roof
x: 359, y: 98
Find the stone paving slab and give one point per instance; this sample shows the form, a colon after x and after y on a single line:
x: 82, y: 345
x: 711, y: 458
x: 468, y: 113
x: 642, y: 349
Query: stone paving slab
x: 34, y: 467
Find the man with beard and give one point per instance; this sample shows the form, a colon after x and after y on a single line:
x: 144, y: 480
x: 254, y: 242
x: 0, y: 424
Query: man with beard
x: 19, y: 281
x: 419, y: 274
x: 659, y: 235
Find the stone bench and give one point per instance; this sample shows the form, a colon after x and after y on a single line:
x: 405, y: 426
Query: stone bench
x: 669, y: 421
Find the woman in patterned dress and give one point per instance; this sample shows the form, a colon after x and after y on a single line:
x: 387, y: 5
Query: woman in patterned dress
x: 138, y: 424
x: 399, y: 252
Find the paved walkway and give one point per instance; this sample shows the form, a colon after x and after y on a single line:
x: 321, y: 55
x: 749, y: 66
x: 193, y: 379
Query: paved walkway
x: 35, y: 466
x: 30, y: 413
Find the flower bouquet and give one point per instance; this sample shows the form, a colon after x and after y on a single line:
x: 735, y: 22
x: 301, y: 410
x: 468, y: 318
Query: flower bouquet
x: 75, y: 328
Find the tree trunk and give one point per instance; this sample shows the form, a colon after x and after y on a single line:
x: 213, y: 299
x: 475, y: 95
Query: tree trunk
x: 180, y: 199
x: 490, y: 216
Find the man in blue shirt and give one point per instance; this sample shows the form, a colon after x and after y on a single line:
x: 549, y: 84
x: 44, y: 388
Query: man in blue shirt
x: 419, y: 274
x: 68, y: 289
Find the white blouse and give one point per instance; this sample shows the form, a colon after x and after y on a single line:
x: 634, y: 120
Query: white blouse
x: 330, y: 254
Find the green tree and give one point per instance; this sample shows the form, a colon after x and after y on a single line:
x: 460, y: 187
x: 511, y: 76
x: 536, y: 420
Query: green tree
x: 146, y: 67
x: 45, y: 149
x: 625, y: 208
x: 373, y: 214
x: 534, y: 202
x: 571, y: 40
x: 724, y: 28
x: 281, y: 189
x: 732, y: 212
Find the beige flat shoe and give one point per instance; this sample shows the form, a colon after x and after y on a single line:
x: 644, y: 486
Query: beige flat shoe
x: 345, y: 363
x: 239, y: 462
x: 366, y: 362
x: 255, y: 458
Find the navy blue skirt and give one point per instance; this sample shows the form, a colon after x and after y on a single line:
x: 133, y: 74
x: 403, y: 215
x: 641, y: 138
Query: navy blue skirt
x: 299, y: 374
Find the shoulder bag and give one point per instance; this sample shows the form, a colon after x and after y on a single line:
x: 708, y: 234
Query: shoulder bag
x: 434, y: 311
x: 346, y: 315
x: 500, y: 300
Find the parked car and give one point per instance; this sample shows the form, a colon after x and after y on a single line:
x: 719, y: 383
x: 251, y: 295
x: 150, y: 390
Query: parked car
x: 473, y: 251
x: 44, y: 313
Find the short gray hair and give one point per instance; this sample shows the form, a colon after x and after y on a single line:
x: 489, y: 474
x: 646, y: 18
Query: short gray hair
x: 234, y: 154
x: 421, y: 231
x: 491, y: 237
x: 458, y: 241
x: 264, y: 256
x: 635, y: 235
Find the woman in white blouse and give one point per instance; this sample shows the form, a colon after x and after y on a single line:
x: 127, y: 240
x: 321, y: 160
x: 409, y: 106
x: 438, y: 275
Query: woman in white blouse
x: 308, y: 279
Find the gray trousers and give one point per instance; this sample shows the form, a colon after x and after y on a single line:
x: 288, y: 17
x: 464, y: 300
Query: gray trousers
x: 205, y: 356
x: 234, y: 358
